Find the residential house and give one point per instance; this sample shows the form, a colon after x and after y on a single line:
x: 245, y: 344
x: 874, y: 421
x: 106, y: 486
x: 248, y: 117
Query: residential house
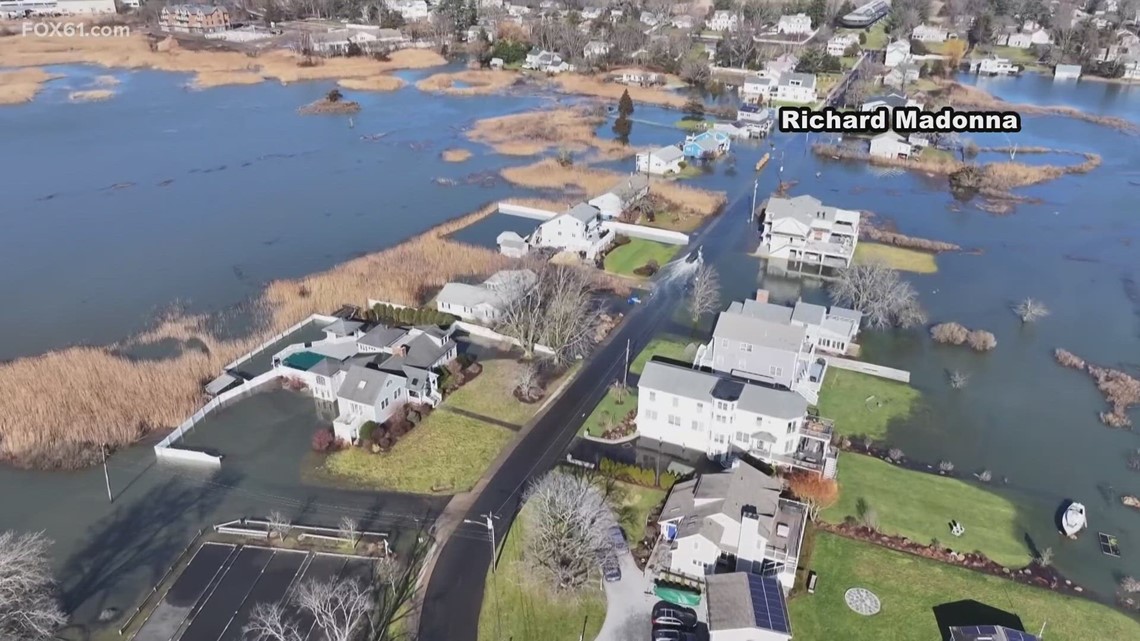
x: 753, y: 114
x: 989, y: 633
x: 929, y: 33
x: 889, y: 101
x: 758, y: 87
x: 496, y: 63
x: 890, y: 145
x: 708, y: 144
x: 1131, y: 69
x: 992, y: 65
x: 796, y: 24
x: 339, y: 41
x: 723, y: 21
x: 622, y: 196
x: 591, y: 13
x: 663, y: 161
x: 838, y: 44
x: 732, y: 129
x: 683, y: 21
x: 829, y: 330
x: 1067, y: 72
x: 1017, y: 40
x: 902, y: 75
x: 410, y: 10
x: 733, y: 521
x: 898, y: 52
x: 596, y: 49
x: 796, y: 87
x: 194, y: 18
x: 1040, y: 36
x: 785, y: 63
x: 484, y: 303
x: 512, y: 245
x: 635, y: 76
x: 578, y: 229
x: 745, y: 606
x: 650, y: 19
x: 547, y: 61
x: 804, y: 230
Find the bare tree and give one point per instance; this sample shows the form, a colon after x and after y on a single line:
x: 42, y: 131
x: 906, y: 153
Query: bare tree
x: 958, y: 379
x: 339, y: 608
x: 279, y: 525
x: 1129, y: 585
x: 559, y: 312
x: 349, y: 528
x: 566, y: 520
x: 1030, y: 310
x: 527, y: 378
x: 704, y: 295
x: 695, y: 69
x: 29, y: 609
x: 880, y: 293
x: 1045, y: 557
x: 271, y: 622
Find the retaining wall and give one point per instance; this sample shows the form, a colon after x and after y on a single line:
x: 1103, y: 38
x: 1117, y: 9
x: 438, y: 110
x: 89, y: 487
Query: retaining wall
x: 487, y: 332
x: 881, y: 371
x: 323, y: 318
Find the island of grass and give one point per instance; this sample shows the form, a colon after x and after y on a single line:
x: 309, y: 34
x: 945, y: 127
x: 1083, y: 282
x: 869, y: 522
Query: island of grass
x: 691, y: 125
x: 667, y: 346
x: 900, y: 258
x: 864, y: 405
x: 450, y: 450
x: 909, y: 587
x: 610, y: 411
x: 928, y: 504
x: 638, y: 252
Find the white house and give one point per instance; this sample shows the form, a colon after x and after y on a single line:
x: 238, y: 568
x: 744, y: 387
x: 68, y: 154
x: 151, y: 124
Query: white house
x: 785, y: 63
x: 928, y: 33
x: 746, y: 607
x: 1018, y: 40
x: 1040, y: 36
x: 484, y: 303
x: 796, y: 87
x: 579, y: 229
x: 890, y: 145
x: 758, y: 87
x: 683, y: 21
x: 596, y: 49
x: 666, y: 160
x: 591, y: 13
x: 723, y: 21
x: 838, y: 44
x: 902, y: 74
x: 897, y: 53
x: 733, y: 521
x: 410, y: 10
x: 829, y: 330
x: 889, y: 101
x: 547, y: 61
x: 1131, y: 69
x: 1067, y: 72
x: 796, y: 24
x: 992, y: 65
x: 650, y: 19
x: 622, y: 196
x: 804, y: 230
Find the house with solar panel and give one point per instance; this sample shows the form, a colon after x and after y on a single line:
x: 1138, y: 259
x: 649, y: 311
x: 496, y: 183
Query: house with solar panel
x: 731, y: 521
x: 369, y: 370
x: 989, y: 633
x: 746, y: 607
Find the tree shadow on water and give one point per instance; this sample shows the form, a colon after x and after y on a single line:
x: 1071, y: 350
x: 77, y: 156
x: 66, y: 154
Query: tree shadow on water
x: 129, y: 550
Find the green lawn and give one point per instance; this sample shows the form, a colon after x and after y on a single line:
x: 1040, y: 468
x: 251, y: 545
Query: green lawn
x: 909, y: 587
x: 690, y: 170
x: 517, y: 606
x: 445, y: 451
x: 931, y: 153
x: 686, y: 124
x: 609, y: 409
x: 900, y: 258
x: 668, y: 346
x: 923, y: 510
x: 674, y: 219
x: 864, y: 405
x: 633, y: 504
x: 877, y: 37
x: 491, y: 393
x: 637, y: 252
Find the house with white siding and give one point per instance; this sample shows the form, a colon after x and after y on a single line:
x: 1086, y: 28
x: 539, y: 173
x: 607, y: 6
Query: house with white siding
x: 796, y: 88
x: 898, y: 52
x: 485, y: 302
x: 838, y: 44
x: 758, y: 87
x: 796, y: 24
x: 622, y: 196
x: 804, y: 230
x: 723, y: 21
x: 578, y: 229
x: 890, y: 145
x: 661, y: 162
x: 831, y: 330
x: 732, y: 521
x: 746, y: 607
x: 929, y: 33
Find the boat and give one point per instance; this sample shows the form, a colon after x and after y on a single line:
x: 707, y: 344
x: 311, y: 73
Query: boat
x: 1073, y: 520
x: 763, y: 161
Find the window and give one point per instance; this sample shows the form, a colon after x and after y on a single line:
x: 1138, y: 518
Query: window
x: 742, y: 437
x: 724, y: 342
x: 719, y: 438
x: 720, y: 418
x: 700, y: 407
x: 775, y: 371
x: 321, y: 380
x: 791, y: 426
x: 652, y: 396
x: 697, y: 426
x: 674, y: 420
x: 676, y: 401
x: 652, y: 414
x: 721, y: 405
x: 789, y: 446
x: 746, y: 347
x: 759, y: 421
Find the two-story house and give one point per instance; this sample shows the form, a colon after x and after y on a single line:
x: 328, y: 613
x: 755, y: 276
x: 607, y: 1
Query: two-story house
x: 194, y: 18
x: 796, y: 24
x: 661, y: 162
x: 992, y: 65
x: 929, y: 33
x: 746, y: 607
x: 784, y: 63
x: 831, y: 330
x: 838, y: 44
x: 804, y: 230
x: 898, y: 52
x: 579, y: 229
x: 624, y: 195
x: 485, y: 302
x: 732, y: 521
x: 758, y: 87
x: 723, y: 21
x: 797, y: 88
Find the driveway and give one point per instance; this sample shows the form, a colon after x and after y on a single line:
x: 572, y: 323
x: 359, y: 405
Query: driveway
x: 628, y: 604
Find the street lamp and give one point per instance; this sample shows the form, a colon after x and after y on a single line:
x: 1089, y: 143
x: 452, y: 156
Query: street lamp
x: 488, y: 523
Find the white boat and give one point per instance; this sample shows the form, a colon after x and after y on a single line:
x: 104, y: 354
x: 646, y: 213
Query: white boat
x: 1073, y: 520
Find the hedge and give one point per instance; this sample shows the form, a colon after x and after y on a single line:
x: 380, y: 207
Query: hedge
x: 636, y: 474
x: 411, y: 316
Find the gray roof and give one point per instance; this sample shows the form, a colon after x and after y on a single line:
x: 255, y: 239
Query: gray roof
x: 342, y: 327
x: 1068, y: 68
x: 806, y: 79
x: 669, y: 153
x: 803, y: 208
x: 758, y: 331
x: 632, y: 185
x: 423, y: 352
x: 742, y: 600
x: 891, y: 100
x: 221, y: 384
x: 382, y: 336
x: 511, y: 280
x: 770, y: 312
x: 466, y: 295
x: 326, y: 367
x: 707, y: 143
x: 808, y: 313
x: 722, y: 493
x: 584, y: 212
x: 699, y: 385
x: 362, y: 384
x: 510, y: 239
x: 849, y: 314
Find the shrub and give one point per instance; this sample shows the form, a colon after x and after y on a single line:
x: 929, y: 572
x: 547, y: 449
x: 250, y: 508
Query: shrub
x: 323, y: 440
x: 366, y: 431
x: 635, y: 474
x: 384, y: 444
x: 414, y: 417
x: 473, y: 370
x: 621, y: 239
x: 895, y: 454
x: 648, y: 269
x: 952, y: 333
x: 379, y: 432
x: 397, y: 429
x: 981, y: 341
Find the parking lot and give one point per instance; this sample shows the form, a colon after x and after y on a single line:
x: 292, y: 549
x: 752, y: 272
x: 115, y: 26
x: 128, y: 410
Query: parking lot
x: 212, y: 598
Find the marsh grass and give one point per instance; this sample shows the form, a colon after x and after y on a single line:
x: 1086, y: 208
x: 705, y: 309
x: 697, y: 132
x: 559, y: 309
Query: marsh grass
x: 91, y: 95
x: 598, y: 87
x: 455, y: 155
x: 534, y: 132
x: 21, y: 85
x: 479, y: 81
x: 971, y: 97
x: 372, y: 83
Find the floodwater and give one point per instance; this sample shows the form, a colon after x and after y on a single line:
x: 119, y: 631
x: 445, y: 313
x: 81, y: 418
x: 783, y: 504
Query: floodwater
x: 100, y: 240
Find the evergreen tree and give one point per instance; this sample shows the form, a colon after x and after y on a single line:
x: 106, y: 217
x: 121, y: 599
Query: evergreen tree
x: 622, y: 128
x: 694, y: 108
x: 625, y: 105
x: 817, y: 11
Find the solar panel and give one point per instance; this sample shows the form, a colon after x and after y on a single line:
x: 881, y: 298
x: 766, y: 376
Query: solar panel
x: 1017, y: 635
x: 768, y: 606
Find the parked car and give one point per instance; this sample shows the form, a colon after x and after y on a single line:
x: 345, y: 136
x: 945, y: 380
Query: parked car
x: 618, y: 539
x: 673, y: 634
x: 676, y: 616
x: 611, y: 569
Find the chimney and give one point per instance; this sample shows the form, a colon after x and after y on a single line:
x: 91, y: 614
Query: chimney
x: 749, y: 545
x: 761, y: 296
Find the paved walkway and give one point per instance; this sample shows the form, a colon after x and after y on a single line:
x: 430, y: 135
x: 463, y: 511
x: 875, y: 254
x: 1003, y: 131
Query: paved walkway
x: 629, y: 603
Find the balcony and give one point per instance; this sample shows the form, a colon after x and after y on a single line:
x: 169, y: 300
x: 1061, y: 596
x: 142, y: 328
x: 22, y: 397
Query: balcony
x: 818, y: 428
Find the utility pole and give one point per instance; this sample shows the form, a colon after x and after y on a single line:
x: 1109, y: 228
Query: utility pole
x: 582, y: 637
x: 489, y: 523
x: 752, y: 213
x: 625, y: 372
x: 106, y: 475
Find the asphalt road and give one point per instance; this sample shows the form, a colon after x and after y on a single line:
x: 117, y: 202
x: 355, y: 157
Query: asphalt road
x: 454, y: 594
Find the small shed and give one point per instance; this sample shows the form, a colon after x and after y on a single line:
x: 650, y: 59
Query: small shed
x: 890, y: 145
x: 1067, y: 72
x: 221, y: 384
x: 496, y: 63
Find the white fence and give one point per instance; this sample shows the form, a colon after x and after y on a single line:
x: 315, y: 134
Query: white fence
x: 487, y: 332
x: 165, y: 448
x: 881, y: 371
x: 526, y: 212
x: 636, y: 231
x: 323, y: 318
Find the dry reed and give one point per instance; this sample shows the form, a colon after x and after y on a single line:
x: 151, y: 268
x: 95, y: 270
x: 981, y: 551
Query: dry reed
x: 1120, y: 390
x: 598, y: 87
x: 455, y: 155
x: 21, y: 85
x: 479, y: 81
x: 531, y: 133
x: 372, y: 83
x: 963, y: 96
x: 90, y: 95
x: 869, y: 230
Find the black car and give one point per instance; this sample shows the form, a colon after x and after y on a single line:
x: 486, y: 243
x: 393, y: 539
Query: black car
x: 673, y: 634
x: 617, y: 537
x: 675, y: 616
x: 611, y: 569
